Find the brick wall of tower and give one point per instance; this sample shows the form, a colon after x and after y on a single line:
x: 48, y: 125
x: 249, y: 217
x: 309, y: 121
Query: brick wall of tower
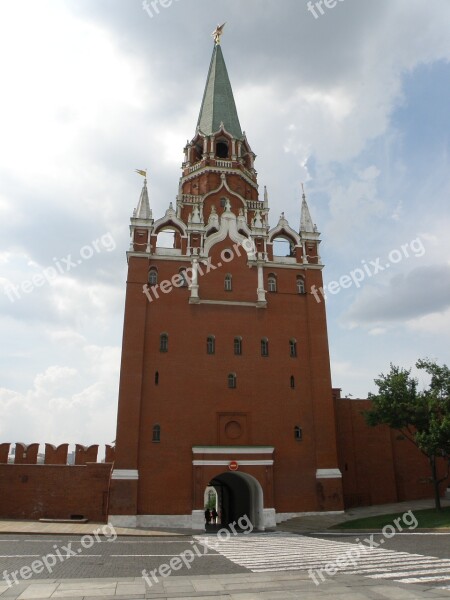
x: 192, y: 395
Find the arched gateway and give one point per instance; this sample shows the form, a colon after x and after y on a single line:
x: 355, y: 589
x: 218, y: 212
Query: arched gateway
x: 239, y: 495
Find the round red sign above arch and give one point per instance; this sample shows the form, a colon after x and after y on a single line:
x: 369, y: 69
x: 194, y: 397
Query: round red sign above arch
x: 233, y: 466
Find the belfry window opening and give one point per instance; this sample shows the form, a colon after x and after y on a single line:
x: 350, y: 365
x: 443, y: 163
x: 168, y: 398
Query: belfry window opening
x: 222, y: 149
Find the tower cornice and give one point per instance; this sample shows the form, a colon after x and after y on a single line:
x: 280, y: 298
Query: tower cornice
x: 215, y: 169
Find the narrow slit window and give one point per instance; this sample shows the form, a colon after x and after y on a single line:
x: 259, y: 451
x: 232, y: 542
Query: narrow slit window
x: 228, y: 283
x: 210, y: 344
x: 232, y: 382
x: 183, y: 276
x: 292, y: 382
x: 156, y: 437
x: 164, y: 342
x: 264, y: 347
x: 298, y: 433
x: 293, y: 348
x: 238, y: 346
x: 153, y: 277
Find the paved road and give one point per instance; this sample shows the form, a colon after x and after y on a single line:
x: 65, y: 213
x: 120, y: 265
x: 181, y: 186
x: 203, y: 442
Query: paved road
x: 124, y: 557
x: 323, y: 556
x: 409, y: 558
x: 433, y: 544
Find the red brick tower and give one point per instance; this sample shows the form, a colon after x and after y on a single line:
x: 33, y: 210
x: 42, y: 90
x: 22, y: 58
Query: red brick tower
x: 225, y: 376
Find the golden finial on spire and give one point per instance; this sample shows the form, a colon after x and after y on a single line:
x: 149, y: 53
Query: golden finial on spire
x: 217, y: 33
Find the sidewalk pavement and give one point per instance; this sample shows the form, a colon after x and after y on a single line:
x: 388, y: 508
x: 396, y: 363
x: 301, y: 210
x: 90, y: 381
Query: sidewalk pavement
x: 304, y: 524
x: 38, y: 528
x: 243, y: 586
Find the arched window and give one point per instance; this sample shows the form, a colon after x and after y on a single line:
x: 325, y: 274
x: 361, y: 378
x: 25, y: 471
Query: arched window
x: 156, y: 437
x: 228, y: 282
x: 232, y: 381
x: 264, y: 347
x: 292, y: 382
x: 272, y: 283
x: 164, y: 342
x: 157, y: 378
x: 298, y: 433
x: 238, y: 346
x: 301, y: 289
x: 293, y: 348
x: 153, y: 276
x: 210, y: 344
x: 183, y: 276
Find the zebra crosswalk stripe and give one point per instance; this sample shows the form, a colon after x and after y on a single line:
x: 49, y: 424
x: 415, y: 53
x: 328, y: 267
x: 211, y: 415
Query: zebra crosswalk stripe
x: 288, y: 552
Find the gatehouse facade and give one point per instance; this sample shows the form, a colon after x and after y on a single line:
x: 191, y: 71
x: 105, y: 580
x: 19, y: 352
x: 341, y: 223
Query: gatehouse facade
x: 225, y: 375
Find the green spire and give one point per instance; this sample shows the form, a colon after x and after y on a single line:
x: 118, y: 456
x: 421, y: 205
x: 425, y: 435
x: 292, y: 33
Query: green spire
x: 218, y: 104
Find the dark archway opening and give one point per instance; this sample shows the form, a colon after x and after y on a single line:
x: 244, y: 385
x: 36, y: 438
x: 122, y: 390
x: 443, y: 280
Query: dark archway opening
x: 222, y: 150
x: 238, y: 496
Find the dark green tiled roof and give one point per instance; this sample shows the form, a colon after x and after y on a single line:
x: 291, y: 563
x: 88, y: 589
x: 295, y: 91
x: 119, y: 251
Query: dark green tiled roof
x: 218, y: 101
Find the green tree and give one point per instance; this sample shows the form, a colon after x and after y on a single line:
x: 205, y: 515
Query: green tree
x: 422, y: 417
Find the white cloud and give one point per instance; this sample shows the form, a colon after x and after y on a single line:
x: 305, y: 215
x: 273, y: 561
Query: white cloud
x: 420, y: 292
x: 90, y: 94
x: 57, y: 409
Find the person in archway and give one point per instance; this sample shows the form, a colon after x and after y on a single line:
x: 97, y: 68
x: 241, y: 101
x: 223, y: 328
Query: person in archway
x: 214, y: 515
x: 207, y: 516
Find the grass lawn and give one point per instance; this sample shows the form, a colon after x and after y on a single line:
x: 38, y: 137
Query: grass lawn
x: 428, y: 519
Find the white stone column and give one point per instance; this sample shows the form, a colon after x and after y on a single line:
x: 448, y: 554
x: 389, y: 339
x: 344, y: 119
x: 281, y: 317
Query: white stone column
x: 305, y: 258
x: 194, y: 282
x: 261, y: 291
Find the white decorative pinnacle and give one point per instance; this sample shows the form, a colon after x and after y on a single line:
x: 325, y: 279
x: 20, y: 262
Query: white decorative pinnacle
x: 306, y: 222
x: 143, y: 210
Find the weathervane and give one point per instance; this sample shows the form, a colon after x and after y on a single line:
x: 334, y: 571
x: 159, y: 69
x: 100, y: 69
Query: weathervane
x: 217, y: 33
x: 142, y: 172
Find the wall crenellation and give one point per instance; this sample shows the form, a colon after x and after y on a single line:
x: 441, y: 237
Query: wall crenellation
x: 28, y: 454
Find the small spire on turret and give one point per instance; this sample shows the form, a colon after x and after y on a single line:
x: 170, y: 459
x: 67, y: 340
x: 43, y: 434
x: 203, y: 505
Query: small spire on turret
x: 143, y: 210
x: 306, y: 222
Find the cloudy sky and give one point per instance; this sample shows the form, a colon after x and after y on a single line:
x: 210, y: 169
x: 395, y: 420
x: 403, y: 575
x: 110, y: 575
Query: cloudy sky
x: 355, y: 103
